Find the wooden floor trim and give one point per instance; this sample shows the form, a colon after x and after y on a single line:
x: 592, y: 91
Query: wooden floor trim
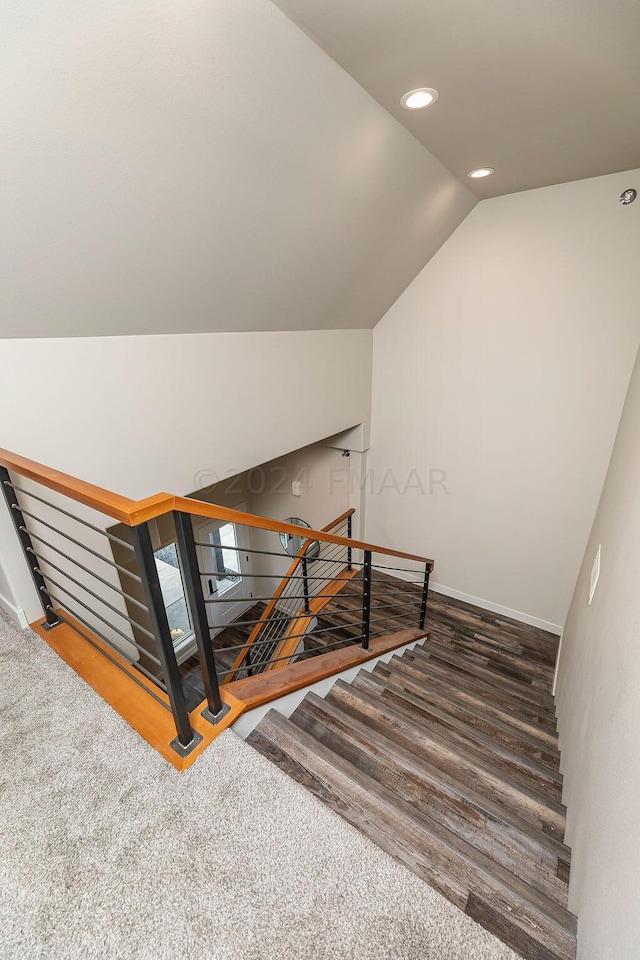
x: 256, y: 691
x: 132, y: 698
x: 128, y: 697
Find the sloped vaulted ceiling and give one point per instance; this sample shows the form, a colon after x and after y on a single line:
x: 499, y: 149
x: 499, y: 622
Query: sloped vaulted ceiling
x: 544, y: 91
x: 203, y: 166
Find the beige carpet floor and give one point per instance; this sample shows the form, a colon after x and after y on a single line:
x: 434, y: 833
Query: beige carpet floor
x: 106, y: 851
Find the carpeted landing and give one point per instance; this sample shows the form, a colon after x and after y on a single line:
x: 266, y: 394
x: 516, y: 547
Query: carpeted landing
x: 107, y: 851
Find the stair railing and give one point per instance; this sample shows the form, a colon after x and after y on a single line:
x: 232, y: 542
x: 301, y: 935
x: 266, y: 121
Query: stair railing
x: 313, y: 566
x: 107, y: 588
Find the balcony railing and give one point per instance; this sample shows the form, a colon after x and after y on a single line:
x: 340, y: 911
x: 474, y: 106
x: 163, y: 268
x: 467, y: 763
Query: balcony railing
x: 338, y: 593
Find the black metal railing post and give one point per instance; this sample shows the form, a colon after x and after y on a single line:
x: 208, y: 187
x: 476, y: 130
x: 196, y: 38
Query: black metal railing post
x: 425, y: 591
x: 192, y: 580
x: 349, y: 550
x: 305, y: 585
x: 52, y: 619
x: 187, y: 738
x: 366, y: 599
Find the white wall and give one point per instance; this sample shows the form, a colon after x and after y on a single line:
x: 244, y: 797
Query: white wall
x: 266, y: 490
x: 7, y: 597
x: 505, y: 364
x: 5, y: 588
x: 139, y: 415
x: 172, y: 167
x: 598, y: 697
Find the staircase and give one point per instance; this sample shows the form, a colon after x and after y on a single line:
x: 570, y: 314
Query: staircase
x: 447, y: 757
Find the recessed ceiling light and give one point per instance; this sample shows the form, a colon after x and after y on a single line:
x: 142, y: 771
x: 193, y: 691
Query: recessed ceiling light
x: 417, y: 99
x: 481, y: 172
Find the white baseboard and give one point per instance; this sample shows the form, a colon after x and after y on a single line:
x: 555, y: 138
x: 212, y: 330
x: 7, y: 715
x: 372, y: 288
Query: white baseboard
x: 555, y: 673
x: 496, y: 608
x: 16, y: 613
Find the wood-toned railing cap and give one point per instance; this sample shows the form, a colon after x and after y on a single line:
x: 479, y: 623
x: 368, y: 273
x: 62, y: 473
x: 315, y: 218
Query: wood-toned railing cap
x: 132, y: 512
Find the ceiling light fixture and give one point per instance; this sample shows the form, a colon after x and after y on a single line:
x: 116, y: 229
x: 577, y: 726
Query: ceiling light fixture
x: 481, y: 172
x: 417, y: 99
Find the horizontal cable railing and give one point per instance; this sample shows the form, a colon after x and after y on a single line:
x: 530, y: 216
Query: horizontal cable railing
x: 105, y: 584
x: 314, y: 570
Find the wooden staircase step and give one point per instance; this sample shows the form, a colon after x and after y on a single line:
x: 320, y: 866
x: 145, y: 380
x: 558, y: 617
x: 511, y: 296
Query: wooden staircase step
x: 542, y: 846
x: 471, y: 645
x: 518, y: 686
x: 544, y: 653
x: 509, y: 710
x: 448, y: 717
x: 475, y: 743
x: 541, y: 643
x: 468, y: 708
x: 505, y: 663
x: 423, y: 787
x: 527, y: 920
x: 487, y: 776
x: 426, y: 672
x: 460, y: 668
x: 518, y: 665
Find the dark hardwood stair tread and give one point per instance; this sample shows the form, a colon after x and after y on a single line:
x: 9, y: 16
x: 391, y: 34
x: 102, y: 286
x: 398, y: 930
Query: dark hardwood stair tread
x: 542, y: 654
x: 474, y: 747
x: 463, y: 618
x: 423, y: 787
x: 431, y: 715
x: 483, y: 774
x: 464, y: 658
x: 446, y: 755
x: 501, y: 707
x: 432, y: 690
x: 430, y: 682
x: 446, y: 861
x: 463, y: 674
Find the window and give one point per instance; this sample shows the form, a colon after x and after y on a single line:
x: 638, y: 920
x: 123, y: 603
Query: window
x: 226, y: 559
x: 168, y: 568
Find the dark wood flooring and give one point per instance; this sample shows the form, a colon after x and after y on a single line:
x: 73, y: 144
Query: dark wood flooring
x: 447, y: 757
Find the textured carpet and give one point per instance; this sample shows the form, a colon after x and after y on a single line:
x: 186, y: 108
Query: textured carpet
x: 106, y: 851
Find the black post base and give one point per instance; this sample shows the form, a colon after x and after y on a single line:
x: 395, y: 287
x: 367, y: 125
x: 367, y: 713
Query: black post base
x: 215, y: 717
x: 180, y: 748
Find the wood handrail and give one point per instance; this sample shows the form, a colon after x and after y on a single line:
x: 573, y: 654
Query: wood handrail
x: 256, y: 691
x: 213, y: 512
x: 104, y: 501
x: 336, y: 523
x: 132, y: 512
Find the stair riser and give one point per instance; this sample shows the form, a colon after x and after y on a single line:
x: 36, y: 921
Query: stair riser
x: 471, y: 709
x: 430, y: 858
x: 465, y: 659
x: 429, y: 747
x: 465, y: 820
x: 429, y: 717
